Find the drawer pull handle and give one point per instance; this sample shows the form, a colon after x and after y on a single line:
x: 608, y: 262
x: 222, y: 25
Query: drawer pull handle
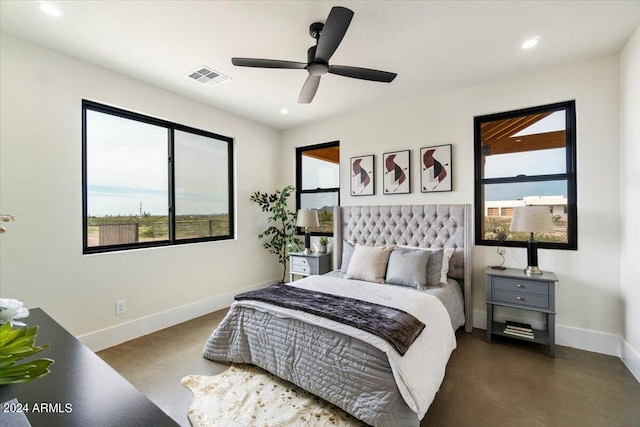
x: 519, y: 286
x: 520, y: 298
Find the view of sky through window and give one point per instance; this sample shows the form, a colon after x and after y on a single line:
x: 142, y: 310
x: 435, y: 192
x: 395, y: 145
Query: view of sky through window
x: 128, y: 166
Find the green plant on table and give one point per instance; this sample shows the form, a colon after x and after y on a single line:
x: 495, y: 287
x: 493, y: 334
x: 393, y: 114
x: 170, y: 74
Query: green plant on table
x: 324, y: 241
x: 15, y: 345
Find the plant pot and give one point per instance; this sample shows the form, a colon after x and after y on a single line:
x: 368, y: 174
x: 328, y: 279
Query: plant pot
x: 323, y: 249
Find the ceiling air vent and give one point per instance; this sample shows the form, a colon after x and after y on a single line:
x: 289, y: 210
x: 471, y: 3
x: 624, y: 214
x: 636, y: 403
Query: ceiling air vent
x: 206, y: 75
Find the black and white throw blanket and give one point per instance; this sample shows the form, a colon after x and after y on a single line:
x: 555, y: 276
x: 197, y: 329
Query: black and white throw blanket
x: 398, y: 328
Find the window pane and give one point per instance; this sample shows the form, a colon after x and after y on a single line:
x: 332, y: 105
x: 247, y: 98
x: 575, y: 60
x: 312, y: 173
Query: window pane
x: 524, y: 145
x: 500, y: 199
x: 320, y: 168
x: 201, y: 186
x: 127, y: 180
x: 324, y: 203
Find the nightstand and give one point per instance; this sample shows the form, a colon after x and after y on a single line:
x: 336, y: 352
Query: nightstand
x: 307, y: 265
x: 514, y: 288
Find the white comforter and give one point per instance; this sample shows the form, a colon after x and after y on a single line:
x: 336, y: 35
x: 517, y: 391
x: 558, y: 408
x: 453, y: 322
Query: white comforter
x: 420, y: 371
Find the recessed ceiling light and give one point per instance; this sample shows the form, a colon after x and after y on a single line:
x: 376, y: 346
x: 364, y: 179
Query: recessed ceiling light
x: 284, y: 111
x: 49, y: 9
x: 530, y: 43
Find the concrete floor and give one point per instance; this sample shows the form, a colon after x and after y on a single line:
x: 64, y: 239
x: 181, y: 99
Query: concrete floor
x: 505, y: 383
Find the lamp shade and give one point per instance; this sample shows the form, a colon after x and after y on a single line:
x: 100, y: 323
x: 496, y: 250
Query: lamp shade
x: 307, y: 218
x: 531, y: 219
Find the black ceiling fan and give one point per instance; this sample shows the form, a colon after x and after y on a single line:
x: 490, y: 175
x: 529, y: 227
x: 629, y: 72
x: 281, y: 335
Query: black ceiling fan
x: 328, y: 37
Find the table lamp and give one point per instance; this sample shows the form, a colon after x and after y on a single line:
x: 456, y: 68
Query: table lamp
x: 307, y: 218
x: 532, y: 219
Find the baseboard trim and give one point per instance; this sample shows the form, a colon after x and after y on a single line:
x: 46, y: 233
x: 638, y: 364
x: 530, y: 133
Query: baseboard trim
x: 631, y: 358
x: 114, y: 335
x: 584, y: 339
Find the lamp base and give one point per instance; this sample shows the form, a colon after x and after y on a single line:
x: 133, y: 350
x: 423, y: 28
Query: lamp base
x: 533, y: 270
x: 307, y: 251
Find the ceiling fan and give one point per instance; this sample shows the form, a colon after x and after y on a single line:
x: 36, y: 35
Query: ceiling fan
x: 328, y: 37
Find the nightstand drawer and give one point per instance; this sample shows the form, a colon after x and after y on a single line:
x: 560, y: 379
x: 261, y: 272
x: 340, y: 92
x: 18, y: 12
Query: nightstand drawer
x: 520, y: 298
x: 519, y: 285
x: 300, y: 269
x: 297, y: 261
x: 309, y: 264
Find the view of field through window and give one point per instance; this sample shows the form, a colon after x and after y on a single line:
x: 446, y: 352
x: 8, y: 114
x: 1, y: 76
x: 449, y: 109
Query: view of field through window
x: 128, y: 182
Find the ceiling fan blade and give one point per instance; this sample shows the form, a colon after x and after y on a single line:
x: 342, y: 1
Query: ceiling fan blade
x: 267, y: 63
x: 333, y: 31
x: 362, y: 73
x: 309, y: 89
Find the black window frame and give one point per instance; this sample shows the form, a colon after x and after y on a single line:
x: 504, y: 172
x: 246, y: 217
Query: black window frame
x: 570, y: 175
x: 300, y: 191
x: 171, y: 128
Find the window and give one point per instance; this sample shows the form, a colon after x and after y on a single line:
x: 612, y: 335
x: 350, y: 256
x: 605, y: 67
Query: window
x: 318, y: 182
x: 526, y: 157
x: 149, y: 182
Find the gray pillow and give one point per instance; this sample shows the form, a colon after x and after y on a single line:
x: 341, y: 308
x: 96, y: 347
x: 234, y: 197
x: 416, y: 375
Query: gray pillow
x: 347, y: 251
x: 408, y: 267
x: 438, y: 265
x: 434, y: 268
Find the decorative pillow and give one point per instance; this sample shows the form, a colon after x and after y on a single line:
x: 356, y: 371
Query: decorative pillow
x: 347, y: 251
x: 368, y: 263
x: 408, y: 267
x: 438, y: 265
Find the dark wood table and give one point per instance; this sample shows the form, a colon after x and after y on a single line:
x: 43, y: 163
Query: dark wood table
x: 81, y: 390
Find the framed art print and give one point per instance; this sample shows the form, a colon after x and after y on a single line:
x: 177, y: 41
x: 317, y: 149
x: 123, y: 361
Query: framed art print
x: 362, y: 178
x: 435, y: 169
x: 396, y: 172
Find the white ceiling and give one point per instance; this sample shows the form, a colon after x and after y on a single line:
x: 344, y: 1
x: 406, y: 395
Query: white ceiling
x: 434, y: 46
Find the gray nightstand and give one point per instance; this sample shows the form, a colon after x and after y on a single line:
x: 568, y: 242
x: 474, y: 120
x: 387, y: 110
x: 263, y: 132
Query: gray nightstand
x: 513, y: 288
x: 307, y: 265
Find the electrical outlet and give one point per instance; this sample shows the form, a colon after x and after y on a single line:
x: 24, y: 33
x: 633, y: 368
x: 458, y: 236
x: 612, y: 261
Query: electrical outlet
x: 121, y: 306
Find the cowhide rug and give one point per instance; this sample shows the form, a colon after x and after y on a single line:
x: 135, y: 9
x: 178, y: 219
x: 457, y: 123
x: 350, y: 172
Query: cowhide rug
x: 245, y: 395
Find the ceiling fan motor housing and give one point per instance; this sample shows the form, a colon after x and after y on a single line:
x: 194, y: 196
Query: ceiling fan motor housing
x: 315, y: 67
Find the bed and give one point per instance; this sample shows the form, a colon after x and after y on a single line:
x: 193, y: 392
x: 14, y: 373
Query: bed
x: 356, y: 370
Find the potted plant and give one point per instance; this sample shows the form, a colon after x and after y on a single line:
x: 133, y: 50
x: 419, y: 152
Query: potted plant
x: 324, y: 241
x: 282, y: 231
x: 18, y: 343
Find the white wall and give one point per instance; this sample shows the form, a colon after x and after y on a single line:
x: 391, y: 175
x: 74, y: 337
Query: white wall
x: 41, y: 261
x: 588, y: 294
x: 630, y: 198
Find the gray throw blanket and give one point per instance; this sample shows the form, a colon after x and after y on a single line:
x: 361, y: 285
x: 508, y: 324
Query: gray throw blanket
x: 398, y: 328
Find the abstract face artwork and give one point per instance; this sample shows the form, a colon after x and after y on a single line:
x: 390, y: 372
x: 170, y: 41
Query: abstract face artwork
x: 362, y: 178
x: 435, y: 168
x: 396, y: 172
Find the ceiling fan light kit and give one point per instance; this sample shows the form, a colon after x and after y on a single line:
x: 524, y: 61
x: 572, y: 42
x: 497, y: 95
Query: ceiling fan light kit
x: 328, y: 37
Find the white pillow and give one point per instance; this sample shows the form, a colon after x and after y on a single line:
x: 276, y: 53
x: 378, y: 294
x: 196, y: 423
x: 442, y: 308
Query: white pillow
x: 369, y: 263
x: 437, y: 264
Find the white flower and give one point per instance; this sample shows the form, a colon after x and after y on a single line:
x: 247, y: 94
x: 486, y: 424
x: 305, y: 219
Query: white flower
x: 11, y: 309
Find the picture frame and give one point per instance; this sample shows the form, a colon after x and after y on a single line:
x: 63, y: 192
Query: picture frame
x: 362, y: 175
x: 396, y: 167
x: 436, y: 166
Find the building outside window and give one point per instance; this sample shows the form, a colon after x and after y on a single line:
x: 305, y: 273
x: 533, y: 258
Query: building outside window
x: 526, y: 157
x: 149, y: 182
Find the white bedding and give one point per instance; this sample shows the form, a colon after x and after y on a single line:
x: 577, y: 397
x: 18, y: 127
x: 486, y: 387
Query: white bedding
x: 421, y: 370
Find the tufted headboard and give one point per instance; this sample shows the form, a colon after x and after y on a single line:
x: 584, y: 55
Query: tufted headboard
x: 426, y: 226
